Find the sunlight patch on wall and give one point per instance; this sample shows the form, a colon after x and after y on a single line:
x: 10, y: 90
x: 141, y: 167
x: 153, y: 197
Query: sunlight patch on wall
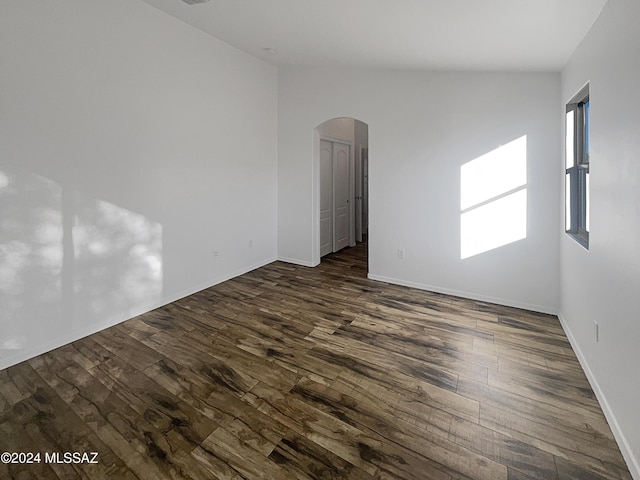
x: 30, y: 256
x: 68, y: 260
x: 493, y: 199
x: 4, y: 180
x: 118, y: 258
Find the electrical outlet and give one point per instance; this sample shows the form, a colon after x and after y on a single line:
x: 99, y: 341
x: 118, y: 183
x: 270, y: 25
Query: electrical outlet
x: 250, y: 243
x: 401, y: 253
x: 596, y: 331
x: 216, y: 254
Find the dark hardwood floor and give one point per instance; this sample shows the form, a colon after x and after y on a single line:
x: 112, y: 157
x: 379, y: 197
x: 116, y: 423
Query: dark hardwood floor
x: 290, y: 372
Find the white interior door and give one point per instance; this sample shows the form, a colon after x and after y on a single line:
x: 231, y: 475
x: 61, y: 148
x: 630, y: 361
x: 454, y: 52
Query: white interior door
x: 326, y: 197
x: 341, y: 224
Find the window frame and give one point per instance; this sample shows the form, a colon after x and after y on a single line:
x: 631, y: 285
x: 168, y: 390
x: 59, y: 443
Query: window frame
x: 577, y: 168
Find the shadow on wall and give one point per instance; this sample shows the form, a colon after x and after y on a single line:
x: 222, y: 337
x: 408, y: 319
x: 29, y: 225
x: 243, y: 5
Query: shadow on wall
x: 69, y: 261
x: 493, y: 199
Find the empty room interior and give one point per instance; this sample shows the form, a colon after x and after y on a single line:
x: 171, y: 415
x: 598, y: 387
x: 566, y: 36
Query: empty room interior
x: 319, y: 239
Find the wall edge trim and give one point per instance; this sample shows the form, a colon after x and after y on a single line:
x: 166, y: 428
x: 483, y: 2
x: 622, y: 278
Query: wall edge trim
x: 297, y: 261
x: 79, y: 334
x: 632, y: 462
x: 469, y: 295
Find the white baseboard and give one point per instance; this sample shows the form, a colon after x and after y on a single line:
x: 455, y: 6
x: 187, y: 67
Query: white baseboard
x: 216, y: 281
x: 57, y: 342
x: 26, y: 354
x: 627, y: 453
x: 297, y: 261
x: 469, y: 295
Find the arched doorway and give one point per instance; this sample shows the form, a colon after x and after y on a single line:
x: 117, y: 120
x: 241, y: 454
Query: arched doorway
x: 341, y: 154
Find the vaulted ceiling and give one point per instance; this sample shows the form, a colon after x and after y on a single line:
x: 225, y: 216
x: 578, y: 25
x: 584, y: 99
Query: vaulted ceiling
x: 507, y: 35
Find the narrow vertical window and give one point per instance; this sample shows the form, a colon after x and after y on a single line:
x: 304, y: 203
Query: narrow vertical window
x: 577, y: 221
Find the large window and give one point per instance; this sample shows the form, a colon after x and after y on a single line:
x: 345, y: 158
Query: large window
x: 577, y: 167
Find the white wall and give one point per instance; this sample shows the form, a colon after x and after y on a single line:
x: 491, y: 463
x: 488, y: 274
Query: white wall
x: 602, y: 284
x: 132, y: 147
x: 422, y: 128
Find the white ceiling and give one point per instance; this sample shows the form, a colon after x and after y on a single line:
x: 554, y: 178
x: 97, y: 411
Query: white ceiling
x: 512, y: 35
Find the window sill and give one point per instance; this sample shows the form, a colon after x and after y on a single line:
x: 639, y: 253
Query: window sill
x: 581, y: 238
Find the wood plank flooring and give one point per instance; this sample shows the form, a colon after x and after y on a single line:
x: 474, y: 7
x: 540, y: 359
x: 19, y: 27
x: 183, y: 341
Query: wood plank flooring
x: 290, y: 372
